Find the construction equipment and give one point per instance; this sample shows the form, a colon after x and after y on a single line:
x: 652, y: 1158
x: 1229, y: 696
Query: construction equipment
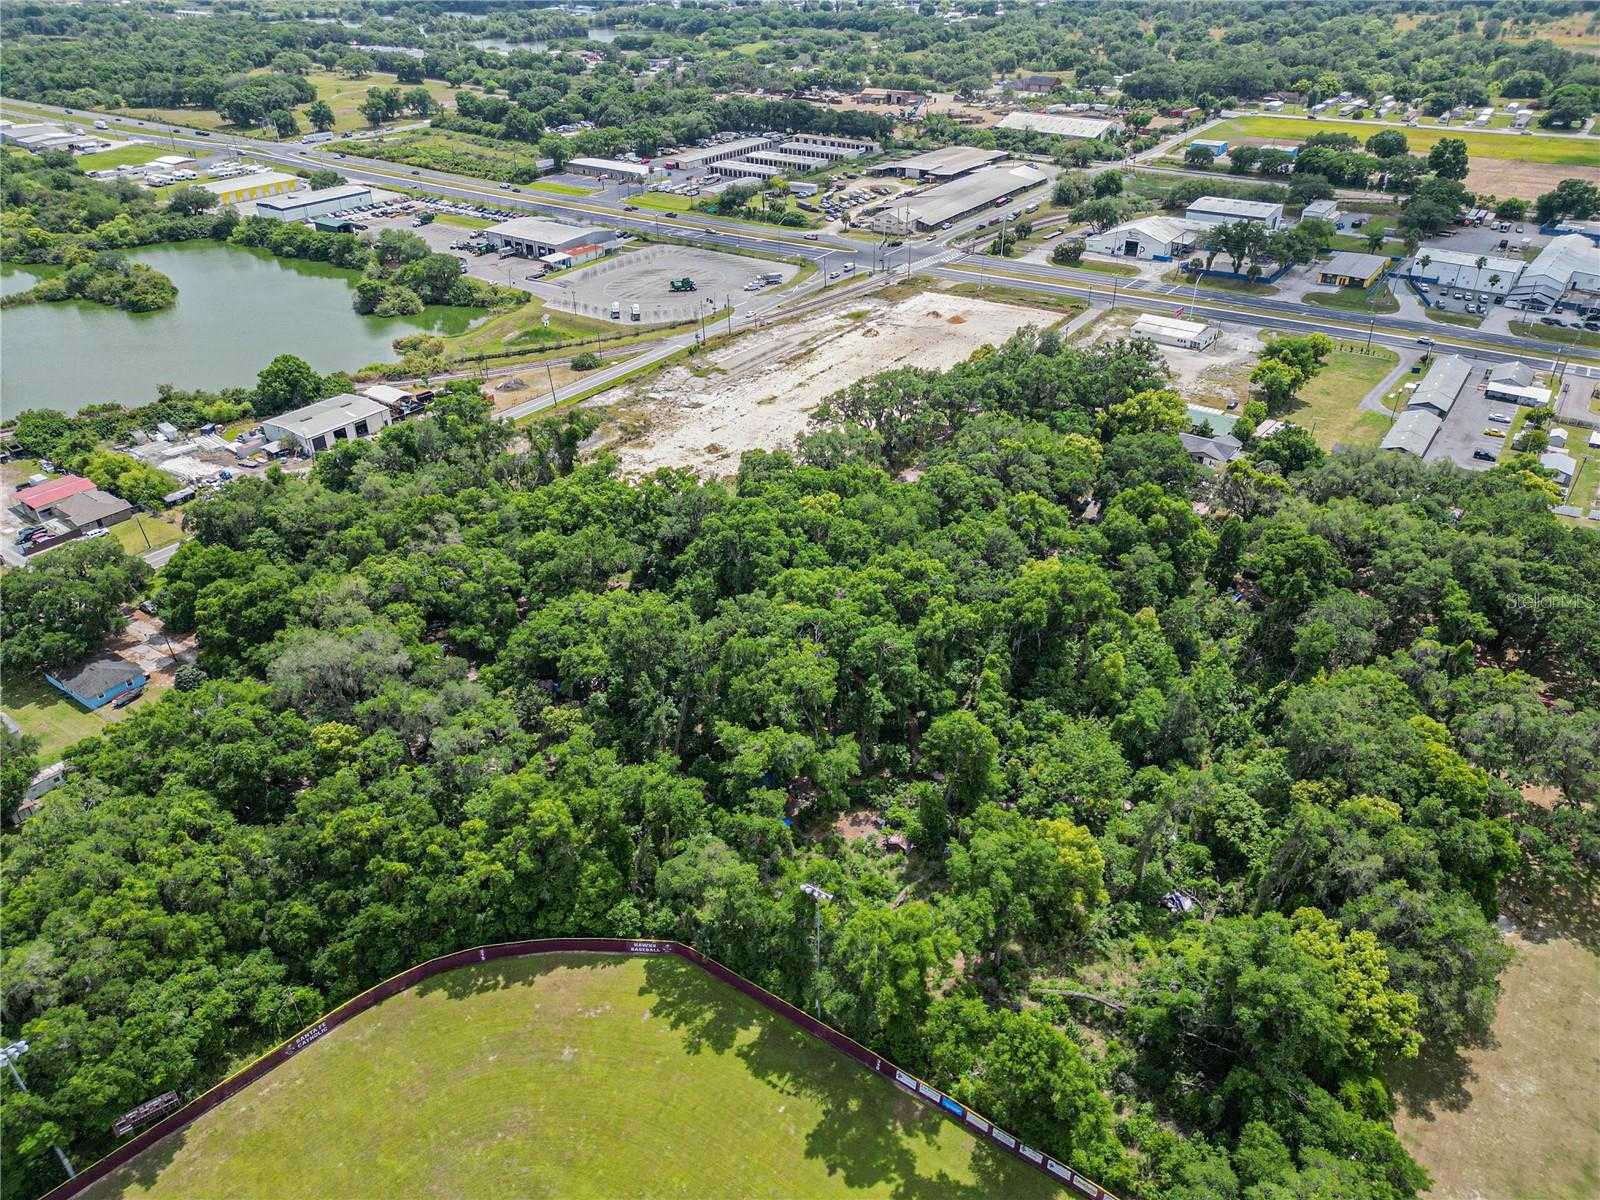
x: 682, y: 285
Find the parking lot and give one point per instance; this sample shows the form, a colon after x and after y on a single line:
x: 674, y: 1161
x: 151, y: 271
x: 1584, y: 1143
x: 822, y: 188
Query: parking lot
x: 643, y: 276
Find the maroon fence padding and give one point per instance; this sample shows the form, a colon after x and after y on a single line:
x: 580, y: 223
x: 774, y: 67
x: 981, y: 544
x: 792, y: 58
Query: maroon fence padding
x: 412, y: 976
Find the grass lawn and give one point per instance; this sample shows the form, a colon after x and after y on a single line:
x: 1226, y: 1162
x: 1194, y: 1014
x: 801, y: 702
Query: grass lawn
x: 145, y: 533
x: 190, y: 118
x: 1376, y: 299
x: 1001, y: 294
x: 462, y: 222
x: 1329, y: 406
x: 522, y: 328
x: 1556, y: 333
x: 345, y: 95
x: 573, y: 1075
x: 1515, y: 148
x: 48, y: 715
x: 1221, y: 285
x: 1517, y: 1119
x: 122, y: 156
x: 558, y: 189
x: 1465, y: 320
x: 661, y: 201
x: 1105, y: 268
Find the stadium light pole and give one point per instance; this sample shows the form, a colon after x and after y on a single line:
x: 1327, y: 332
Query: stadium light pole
x: 11, y: 1053
x: 818, y: 899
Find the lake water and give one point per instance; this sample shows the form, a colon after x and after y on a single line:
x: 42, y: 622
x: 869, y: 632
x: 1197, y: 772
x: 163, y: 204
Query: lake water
x: 505, y: 47
x: 237, y: 308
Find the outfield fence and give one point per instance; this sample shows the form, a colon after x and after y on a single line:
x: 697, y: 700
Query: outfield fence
x: 908, y: 1083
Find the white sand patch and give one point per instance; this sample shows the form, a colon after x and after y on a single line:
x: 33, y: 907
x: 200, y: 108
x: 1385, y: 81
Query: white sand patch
x: 759, y: 392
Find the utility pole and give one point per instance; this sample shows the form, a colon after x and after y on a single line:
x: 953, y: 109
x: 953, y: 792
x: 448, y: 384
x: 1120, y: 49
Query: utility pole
x: 15, y: 1051
x: 818, y: 899
x: 550, y: 376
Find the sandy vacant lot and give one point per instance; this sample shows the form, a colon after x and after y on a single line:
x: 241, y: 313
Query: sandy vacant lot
x: 758, y: 392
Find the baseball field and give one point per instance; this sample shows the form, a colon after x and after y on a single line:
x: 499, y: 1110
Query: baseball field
x: 572, y: 1075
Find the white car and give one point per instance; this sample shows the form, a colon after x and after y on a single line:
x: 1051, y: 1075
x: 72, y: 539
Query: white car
x: 1500, y: 418
x: 94, y: 533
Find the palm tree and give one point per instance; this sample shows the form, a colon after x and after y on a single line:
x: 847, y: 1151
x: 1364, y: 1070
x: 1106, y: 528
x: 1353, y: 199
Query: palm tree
x: 1477, y: 275
x: 1374, y: 240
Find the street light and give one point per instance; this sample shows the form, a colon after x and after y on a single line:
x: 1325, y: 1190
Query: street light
x: 11, y: 1053
x: 818, y: 899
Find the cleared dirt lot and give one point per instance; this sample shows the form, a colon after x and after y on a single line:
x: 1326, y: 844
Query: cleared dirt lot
x: 641, y: 276
x: 1211, y: 377
x: 759, y: 392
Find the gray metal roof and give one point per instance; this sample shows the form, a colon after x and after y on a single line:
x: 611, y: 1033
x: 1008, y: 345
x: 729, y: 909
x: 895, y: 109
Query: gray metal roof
x: 1413, y: 432
x: 1518, y: 373
x: 1442, y: 385
x: 97, y: 675
x: 961, y: 196
x: 325, y: 416
x: 546, y: 233
x: 86, y: 507
x: 1260, y: 209
x: 1353, y: 265
x: 948, y: 160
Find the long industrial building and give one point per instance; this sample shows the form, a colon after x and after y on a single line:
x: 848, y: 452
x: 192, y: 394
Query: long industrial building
x: 609, y: 168
x: 305, y: 206
x: 1413, y: 432
x: 1568, y: 264
x: 1458, y: 269
x: 256, y: 186
x: 948, y: 162
x: 1057, y: 124
x: 317, y: 427
x: 702, y: 157
x: 962, y: 197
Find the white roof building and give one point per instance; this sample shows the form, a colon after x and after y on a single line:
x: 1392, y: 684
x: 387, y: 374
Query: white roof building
x: 1569, y: 263
x: 534, y: 236
x: 1057, y: 125
x: 1413, y: 432
x: 1443, y: 384
x: 319, y: 426
x: 948, y: 162
x: 1169, y: 331
x: 1456, y: 268
x: 951, y: 201
x: 1156, y: 238
x: 1225, y: 210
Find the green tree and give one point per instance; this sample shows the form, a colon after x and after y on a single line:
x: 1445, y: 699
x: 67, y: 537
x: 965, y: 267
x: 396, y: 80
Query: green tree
x: 284, y: 383
x: 1447, y: 158
x: 321, y: 115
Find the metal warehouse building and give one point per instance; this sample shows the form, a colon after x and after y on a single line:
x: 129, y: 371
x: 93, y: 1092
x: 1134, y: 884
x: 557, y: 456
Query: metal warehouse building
x: 610, y: 168
x: 1169, y: 331
x: 952, y: 201
x: 1057, y: 124
x: 535, y: 237
x: 950, y: 162
x: 256, y: 186
x: 1225, y: 210
x: 318, y: 426
x: 705, y: 156
x: 830, y: 145
x: 305, y: 206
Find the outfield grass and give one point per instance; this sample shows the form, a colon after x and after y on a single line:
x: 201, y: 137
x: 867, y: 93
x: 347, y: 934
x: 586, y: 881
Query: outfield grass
x: 1329, y: 406
x: 1566, y: 151
x: 122, y: 156
x: 573, y: 1076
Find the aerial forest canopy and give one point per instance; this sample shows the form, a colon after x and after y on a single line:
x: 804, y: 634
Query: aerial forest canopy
x: 1209, y: 807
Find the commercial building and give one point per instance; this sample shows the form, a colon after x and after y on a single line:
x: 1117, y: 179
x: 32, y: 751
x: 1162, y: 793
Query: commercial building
x: 744, y: 169
x: 963, y: 197
x: 1058, y: 125
x: 948, y: 162
x: 256, y: 186
x: 1438, y: 390
x: 306, y: 206
x: 1225, y: 210
x: 610, y: 168
x: 36, y: 139
x: 831, y: 145
x: 92, y: 509
x: 318, y: 426
x: 1518, y: 374
x: 99, y: 681
x: 1158, y: 239
x: 700, y: 158
x: 1517, y: 393
x: 1348, y: 269
x: 793, y: 164
x: 1457, y: 269
x: 1413, y: 432
x: 895, y: 97
x: 534, y: 237
x: 36, y: 502
x: 1169, y: 331
x: 1568, y: 264
x: 1321, y: 210
x: 1217, y: 146
x: 560, y: 260
x: 1036, y: 85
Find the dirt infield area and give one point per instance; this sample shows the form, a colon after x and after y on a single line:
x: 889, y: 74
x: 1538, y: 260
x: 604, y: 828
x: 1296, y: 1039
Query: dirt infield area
x: 575, y: 1076
x: 759, y: 392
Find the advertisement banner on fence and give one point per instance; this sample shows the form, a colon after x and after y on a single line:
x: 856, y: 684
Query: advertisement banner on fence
x: 977, y: 1122
x: 1029, y: 1153
x: 1004, y: 1138
x: 904, y: 1080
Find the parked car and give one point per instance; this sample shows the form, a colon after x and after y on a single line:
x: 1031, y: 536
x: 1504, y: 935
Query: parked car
x: 1485, y: 455
x: 127, y: 698
x: 96, y: 533
x: 148, y: 607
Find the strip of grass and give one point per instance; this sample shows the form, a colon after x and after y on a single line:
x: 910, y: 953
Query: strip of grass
x: 462, y: 222
x: 144, y: 533
x: 121, y: 156
x: 1221, y: 285
x: 999, y: 293
x: 1465, y: 320
x: 1105, y: 268
x: 558, y: 189
x: 1556, y: 333
x: 1329, y: 406
x: 1376, y: 299
x: 344, y: 96
x: 1514, y: 148
x: 573, y: 1075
